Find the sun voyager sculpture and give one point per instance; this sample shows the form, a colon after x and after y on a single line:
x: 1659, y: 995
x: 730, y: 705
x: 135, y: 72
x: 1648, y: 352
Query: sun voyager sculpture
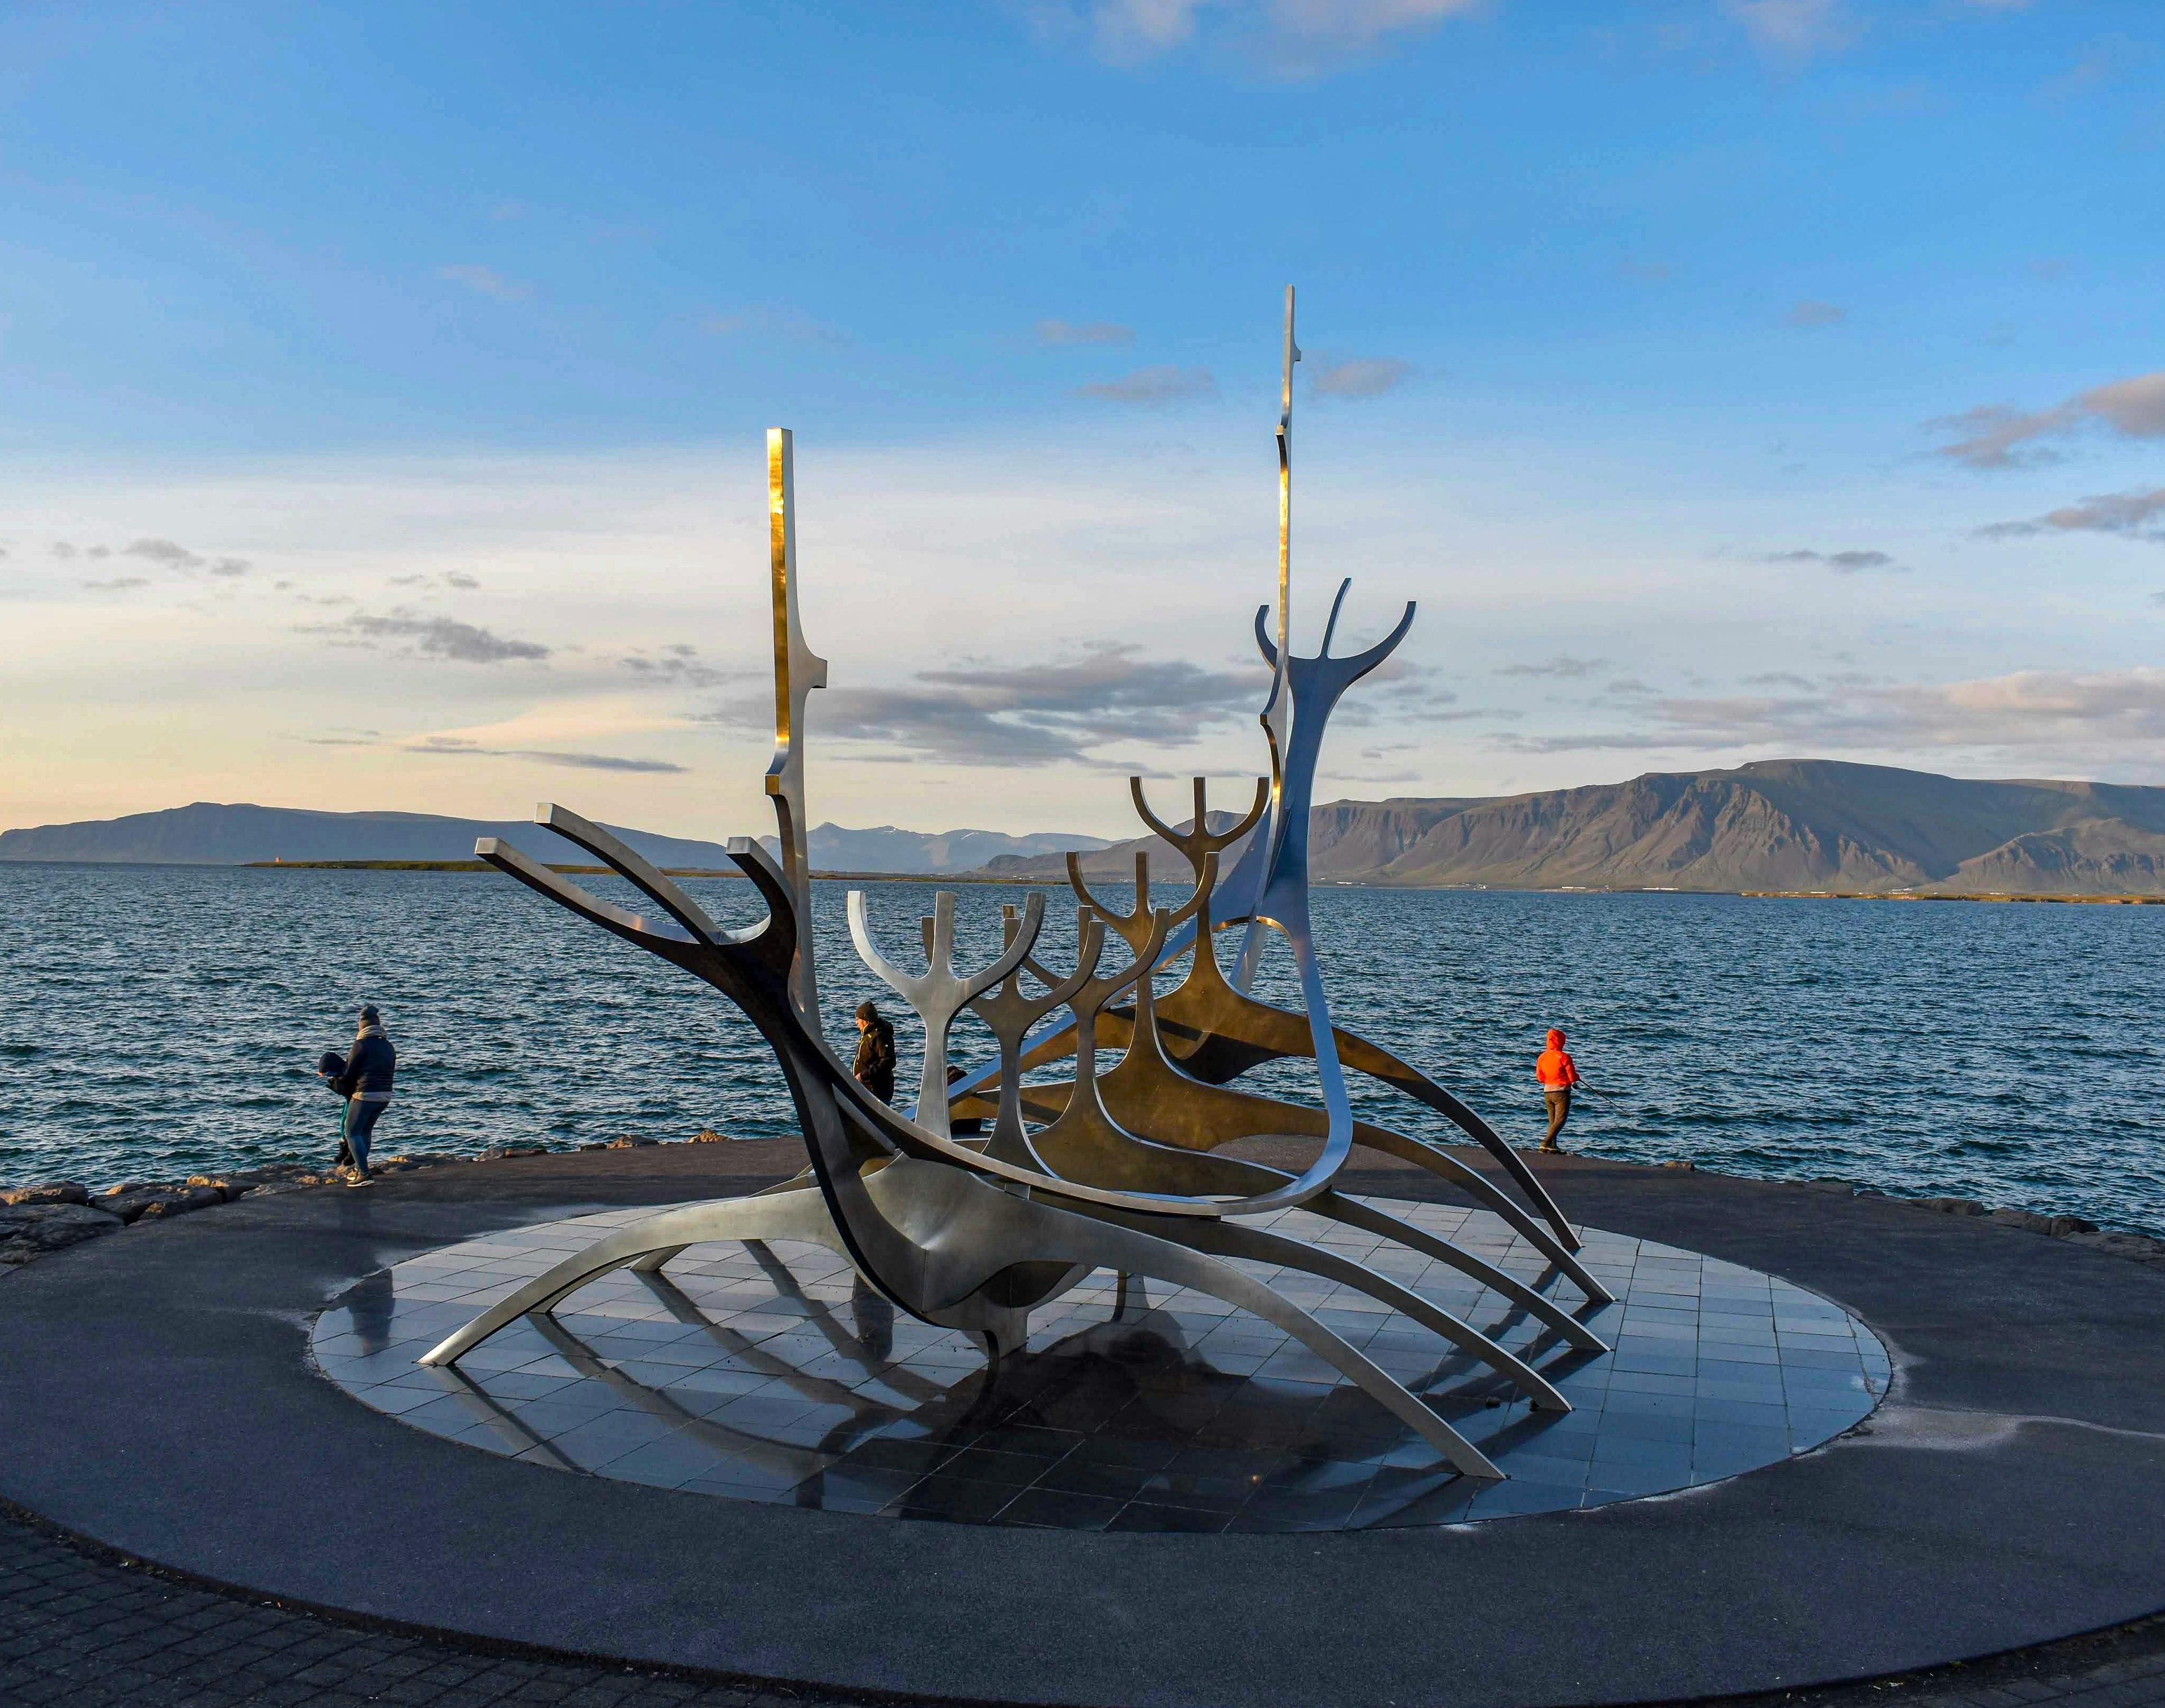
x: 1117, y: 1170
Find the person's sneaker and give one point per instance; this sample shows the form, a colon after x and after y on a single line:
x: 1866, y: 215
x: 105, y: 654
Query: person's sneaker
x: 355, y: 1177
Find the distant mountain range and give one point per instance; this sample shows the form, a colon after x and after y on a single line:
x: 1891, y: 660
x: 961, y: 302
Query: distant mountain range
x: 207, y: 834
x: 1779, y: 825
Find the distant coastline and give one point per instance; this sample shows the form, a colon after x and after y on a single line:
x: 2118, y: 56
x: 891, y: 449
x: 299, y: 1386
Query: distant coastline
x: 1804, y: 827
x: 1020, y: 882
x: 596, y: 871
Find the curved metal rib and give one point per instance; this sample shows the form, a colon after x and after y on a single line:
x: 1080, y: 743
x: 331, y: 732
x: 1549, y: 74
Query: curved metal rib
x: 941, y: 993
x: 1010, y: 1013
x: 1339, y: 1207
x: 628, y: 863
x: 794, y: 1216
x: 1222, y: 1281
x: 1199, y: 839
x: 635, y: 928
x: 1135, y: 925
x: 1228, y: 1239
x: 1352, y: 667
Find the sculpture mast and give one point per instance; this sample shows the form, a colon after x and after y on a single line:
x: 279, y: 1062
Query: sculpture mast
x: 798, y: 670
x: 1278, y: 712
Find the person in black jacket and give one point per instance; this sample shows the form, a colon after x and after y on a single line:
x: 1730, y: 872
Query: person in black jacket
x: 364, y: 1084
x: 874, y: 1066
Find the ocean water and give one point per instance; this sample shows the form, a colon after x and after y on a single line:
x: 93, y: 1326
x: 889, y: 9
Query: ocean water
x: 157, y: 1020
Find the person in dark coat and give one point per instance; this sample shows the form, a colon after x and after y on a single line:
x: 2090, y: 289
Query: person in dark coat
x: 874, y: 1066
x: 364, y: 1082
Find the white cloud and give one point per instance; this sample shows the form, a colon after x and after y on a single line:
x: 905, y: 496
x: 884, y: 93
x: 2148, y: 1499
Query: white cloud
x: 453, y: 747
x: 1997, y: 435
x: 1153, y: 386
x: 2139, y: 515
x: 433, y: 637
x: 786, y: 323
x: 1122, y: 528
x: 1058, y: 332
x: 1055, y: 711
x: 1795, y: 30
x: 1363, y: 376
x: 2097, y: 719
x: 486, y: 281
x: 1292, y: 38
x: 1849, y: 562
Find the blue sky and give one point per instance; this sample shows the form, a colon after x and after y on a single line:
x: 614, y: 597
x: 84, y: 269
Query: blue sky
x: 1681, y: 357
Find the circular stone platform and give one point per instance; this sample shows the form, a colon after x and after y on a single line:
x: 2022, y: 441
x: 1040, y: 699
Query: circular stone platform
x: 161, y: 1397
x: 765, y: 1373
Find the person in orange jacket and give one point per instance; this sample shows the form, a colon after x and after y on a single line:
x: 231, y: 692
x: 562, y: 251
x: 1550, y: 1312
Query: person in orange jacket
x: 1558, y: 1073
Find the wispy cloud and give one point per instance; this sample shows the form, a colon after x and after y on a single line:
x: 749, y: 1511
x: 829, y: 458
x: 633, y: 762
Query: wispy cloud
x: 2096, y: 713
x: 1813, y: 314
x: 1153, y: 386
x: 1562, y: 665
x: 1998, y: 436
x: 679, y: 665
x: 486, y: 281
x: 119, y: 583
x: 168, y: 555
x: 453, y: 747
x: 2141, y: 515
x: 1361, y: 376
x: 1059, y: 332
x: 2105, y: 61
x: 1290, y: 38
x: 786, y: 323
x: 433, y: 637
x: 1841, y: 562
x: 1056, y: 712
x: 1795, y: 30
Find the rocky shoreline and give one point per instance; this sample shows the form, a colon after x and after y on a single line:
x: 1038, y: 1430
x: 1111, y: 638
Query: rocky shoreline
x: 53, y: 1214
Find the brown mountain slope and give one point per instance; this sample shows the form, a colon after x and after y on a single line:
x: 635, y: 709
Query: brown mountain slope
x: 1348, y: 840
x: 1797, y: 823
x: 2095, y: 857
x: 1778, y: 824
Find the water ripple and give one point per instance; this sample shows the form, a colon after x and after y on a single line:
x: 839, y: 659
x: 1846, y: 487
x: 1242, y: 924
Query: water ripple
x: 157, y: 1019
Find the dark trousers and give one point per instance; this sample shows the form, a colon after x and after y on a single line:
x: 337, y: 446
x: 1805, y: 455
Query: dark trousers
x: 1558, y: 1099
x: 360, y: 1120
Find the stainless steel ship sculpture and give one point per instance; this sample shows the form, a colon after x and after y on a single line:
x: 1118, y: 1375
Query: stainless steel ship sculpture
x: 1116, y: 1170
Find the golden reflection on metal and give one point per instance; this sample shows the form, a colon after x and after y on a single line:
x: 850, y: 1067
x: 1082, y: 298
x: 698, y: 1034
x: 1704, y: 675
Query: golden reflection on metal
x: 1214, y: 1033
x: 798, y: 670
x: 1121, y: 1171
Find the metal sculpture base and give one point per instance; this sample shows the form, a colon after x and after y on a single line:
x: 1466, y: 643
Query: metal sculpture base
x: 765, y: 1371
x: 1030, y: 1256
